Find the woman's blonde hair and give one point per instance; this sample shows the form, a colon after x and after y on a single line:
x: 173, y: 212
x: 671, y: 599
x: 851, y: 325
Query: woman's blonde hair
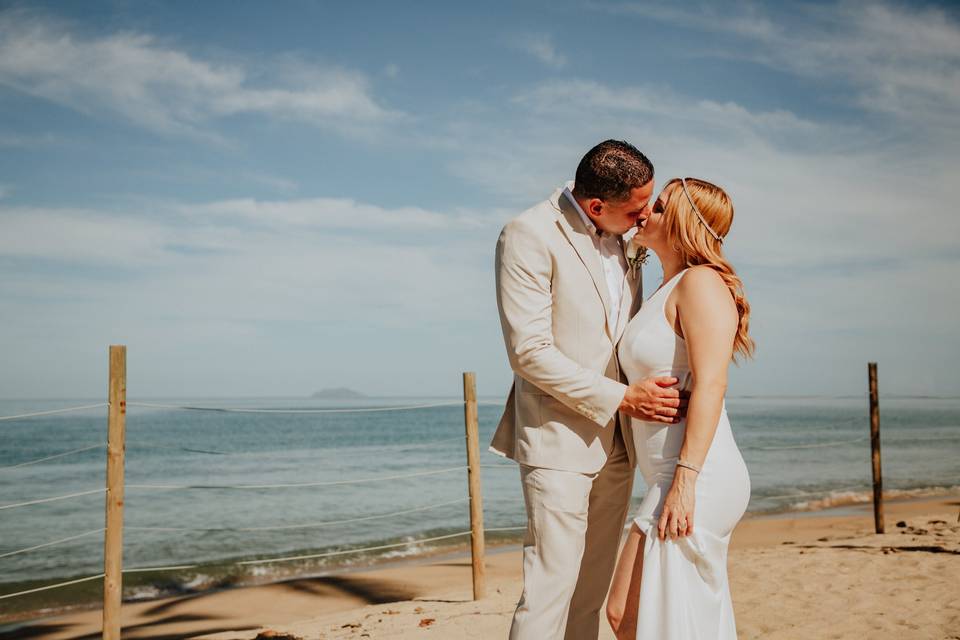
x: 699, y: 240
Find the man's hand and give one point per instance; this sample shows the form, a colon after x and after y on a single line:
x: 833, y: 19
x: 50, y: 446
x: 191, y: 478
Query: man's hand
x: 654, y: 399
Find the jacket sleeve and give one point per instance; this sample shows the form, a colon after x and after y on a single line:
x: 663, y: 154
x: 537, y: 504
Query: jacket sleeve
x: 524, y: 268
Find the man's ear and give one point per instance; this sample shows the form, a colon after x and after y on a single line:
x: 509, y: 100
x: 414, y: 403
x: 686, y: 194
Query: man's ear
x: 595, y: 207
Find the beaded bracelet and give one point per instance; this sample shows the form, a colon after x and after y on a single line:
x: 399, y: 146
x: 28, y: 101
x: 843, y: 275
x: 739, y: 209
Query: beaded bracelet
x: 688, y: 465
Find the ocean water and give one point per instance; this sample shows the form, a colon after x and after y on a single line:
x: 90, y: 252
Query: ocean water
x: 802, y: 453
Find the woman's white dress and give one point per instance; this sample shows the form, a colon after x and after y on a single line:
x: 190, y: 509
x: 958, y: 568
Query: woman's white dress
x: 684, y: 591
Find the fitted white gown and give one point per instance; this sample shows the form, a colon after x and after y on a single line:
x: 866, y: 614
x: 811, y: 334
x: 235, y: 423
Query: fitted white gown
x: 684, y: 592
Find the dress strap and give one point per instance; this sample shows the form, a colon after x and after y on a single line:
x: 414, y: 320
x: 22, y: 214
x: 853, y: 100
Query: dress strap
x: 668, y: 286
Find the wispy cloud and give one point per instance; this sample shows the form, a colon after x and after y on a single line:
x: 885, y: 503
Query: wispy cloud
x: 903, y: 60
x: 576, y: 95
x: 76, y: 236
x: 296, y: 301
x: 834, y: 232
x: 333, y: 213
x: 541, y: 47
x: 162, y: 88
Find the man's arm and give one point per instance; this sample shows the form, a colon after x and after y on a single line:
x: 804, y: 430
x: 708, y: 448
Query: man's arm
x: 523, y: 272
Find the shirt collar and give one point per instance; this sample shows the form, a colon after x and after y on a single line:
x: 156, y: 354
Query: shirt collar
x: 591, y: 227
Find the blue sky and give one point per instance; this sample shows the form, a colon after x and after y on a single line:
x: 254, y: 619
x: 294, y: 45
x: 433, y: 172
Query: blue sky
x: 268, y: 199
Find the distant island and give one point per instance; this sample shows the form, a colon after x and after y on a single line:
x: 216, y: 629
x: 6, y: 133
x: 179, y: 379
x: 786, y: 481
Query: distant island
x: 339, y: 393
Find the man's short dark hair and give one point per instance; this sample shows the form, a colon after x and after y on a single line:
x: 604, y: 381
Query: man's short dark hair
x: 611, y: 170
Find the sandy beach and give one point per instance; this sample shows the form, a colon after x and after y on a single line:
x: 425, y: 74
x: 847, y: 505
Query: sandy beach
x: 810, y: 575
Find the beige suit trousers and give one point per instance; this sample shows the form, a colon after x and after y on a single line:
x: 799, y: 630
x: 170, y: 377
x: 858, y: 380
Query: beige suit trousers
x: 574, y: 524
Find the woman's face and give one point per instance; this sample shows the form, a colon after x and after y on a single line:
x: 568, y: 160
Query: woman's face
x: 651, y: 232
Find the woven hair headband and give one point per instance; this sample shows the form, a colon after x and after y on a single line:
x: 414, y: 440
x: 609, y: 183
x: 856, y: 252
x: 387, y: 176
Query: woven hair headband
x: 683, y: 183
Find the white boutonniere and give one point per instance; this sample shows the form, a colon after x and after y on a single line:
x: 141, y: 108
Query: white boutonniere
x: 636, y: 255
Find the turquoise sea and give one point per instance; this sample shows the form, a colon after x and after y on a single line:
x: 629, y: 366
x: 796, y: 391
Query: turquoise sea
x: 802, y: 453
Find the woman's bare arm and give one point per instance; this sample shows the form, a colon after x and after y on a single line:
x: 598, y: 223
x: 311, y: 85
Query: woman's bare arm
x: 708, y: 318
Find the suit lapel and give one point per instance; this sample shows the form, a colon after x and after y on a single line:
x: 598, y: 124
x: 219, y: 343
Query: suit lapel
x: 579, y: 237
x: 632, y: 286
x: 626, y: 297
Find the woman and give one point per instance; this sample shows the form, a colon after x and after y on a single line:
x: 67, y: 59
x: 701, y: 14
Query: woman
x: 671, y: 580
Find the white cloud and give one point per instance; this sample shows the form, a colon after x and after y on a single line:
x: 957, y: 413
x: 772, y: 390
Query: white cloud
x: 157, y: 86
x: 576, y: 96
x: 331, y: 213
x: 902, y: 60
x: 171, y: 231
x: 369, y: 292
x: 844, y: 242
x: 541, y: 47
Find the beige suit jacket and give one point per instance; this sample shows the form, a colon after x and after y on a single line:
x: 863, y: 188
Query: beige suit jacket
x: 553, y: 300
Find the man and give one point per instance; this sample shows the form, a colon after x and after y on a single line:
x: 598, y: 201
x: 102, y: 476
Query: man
x: 565, y: 295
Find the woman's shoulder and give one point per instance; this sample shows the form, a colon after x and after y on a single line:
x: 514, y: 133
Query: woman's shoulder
x: 701, y: 279
x: 702, y: 285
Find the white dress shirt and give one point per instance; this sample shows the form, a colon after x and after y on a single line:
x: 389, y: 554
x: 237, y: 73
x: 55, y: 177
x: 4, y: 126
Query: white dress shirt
x: 612, y: 259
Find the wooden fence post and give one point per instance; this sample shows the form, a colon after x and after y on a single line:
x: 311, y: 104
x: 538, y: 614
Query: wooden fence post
x: 875, y: 447
x: 473, y: 478
x: 113, y: 537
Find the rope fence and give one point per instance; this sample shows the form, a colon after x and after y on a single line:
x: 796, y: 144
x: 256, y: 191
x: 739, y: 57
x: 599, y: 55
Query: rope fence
x: 50, y: 586
x: 36, y: 414
x: 264, y: 560
x: 116, y: 485
x: 117, y: 408
x: 296, y: 485
x: 411, y: 407
x: 53, y: 499
x: 308, y: 525
x: 50, y: 544
x: 53, y: 457
x: 157, y: 405
x: 360, y: 550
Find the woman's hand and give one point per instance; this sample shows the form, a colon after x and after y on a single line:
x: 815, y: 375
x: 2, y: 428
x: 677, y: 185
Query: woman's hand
x: 676, y: 519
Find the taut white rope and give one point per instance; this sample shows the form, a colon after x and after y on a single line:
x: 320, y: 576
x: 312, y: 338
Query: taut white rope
x: 59, y: 455
x: 155, y: 405
x: 340, y: 553
x: 179, y: 566
x: 355, y: 450
x: 48, y: 544
x: 308, y: 525
x: 51, y: 586
x: 53, y: 499
x: 293, y: 484
x: 809, y: 446
x: 318, y: 555
x: 50, y: 413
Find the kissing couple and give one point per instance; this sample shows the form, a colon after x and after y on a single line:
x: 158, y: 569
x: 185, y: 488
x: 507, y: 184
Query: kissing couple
x: 606, y: 381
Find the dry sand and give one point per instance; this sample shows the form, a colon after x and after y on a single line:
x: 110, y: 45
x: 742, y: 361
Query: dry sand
x: 813, y: 576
